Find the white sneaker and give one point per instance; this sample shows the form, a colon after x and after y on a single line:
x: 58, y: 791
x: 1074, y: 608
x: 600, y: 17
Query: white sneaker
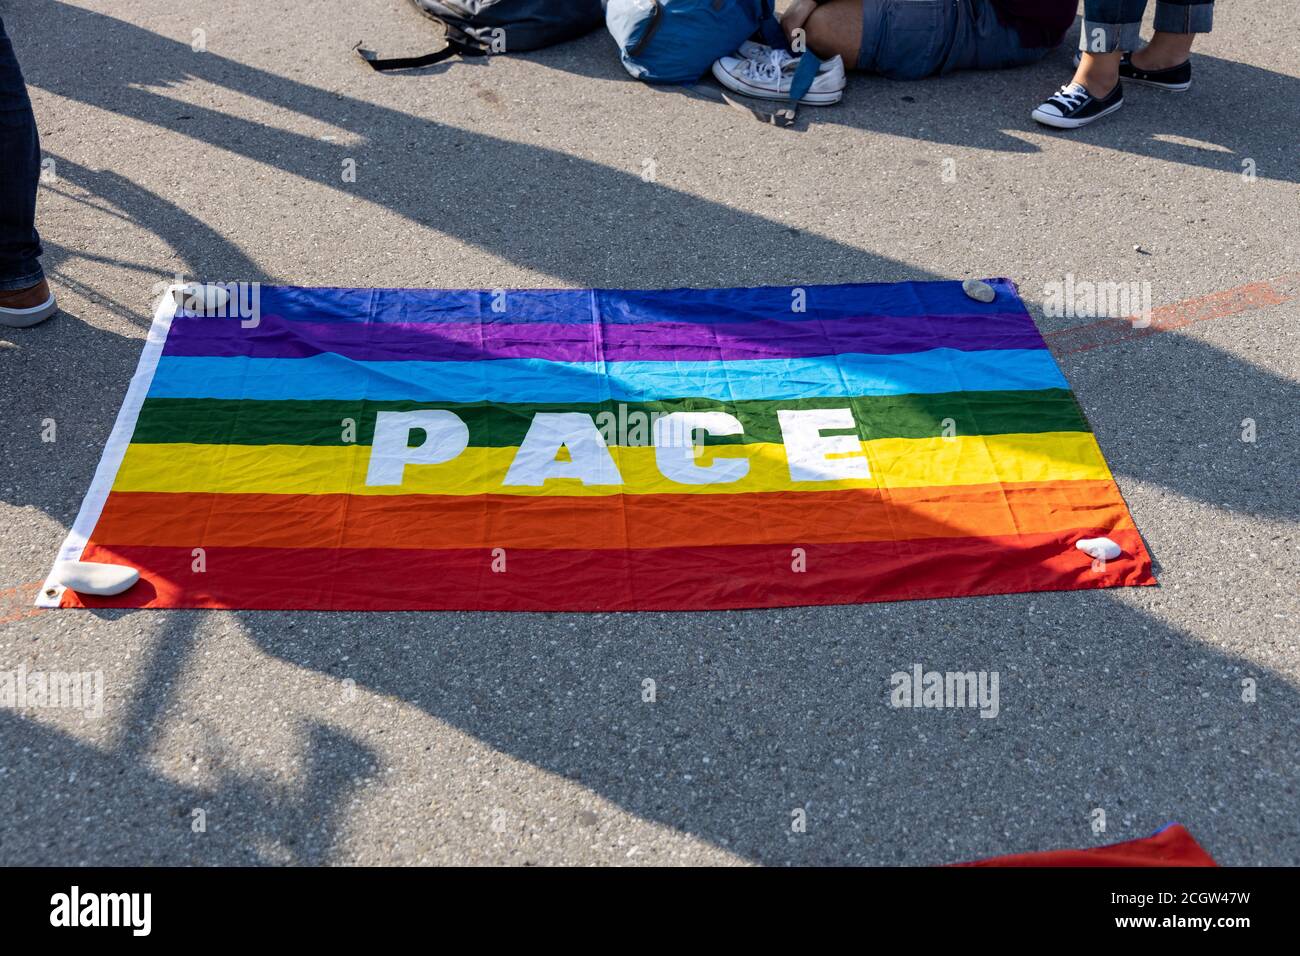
x: 753, y: 50
x: 767, y: 74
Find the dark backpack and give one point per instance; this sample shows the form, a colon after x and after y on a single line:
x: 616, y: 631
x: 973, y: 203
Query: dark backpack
x: 486, y: 27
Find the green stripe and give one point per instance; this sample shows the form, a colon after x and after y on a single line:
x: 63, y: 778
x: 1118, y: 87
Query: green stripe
x: 220, y: 421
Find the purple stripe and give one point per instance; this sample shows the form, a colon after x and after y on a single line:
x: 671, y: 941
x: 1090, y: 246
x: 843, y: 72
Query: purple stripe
x: 276, y: 337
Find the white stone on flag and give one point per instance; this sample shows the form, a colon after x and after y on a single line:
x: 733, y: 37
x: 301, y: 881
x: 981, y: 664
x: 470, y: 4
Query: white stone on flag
x: 91, y: 577
x: 1102, y: 549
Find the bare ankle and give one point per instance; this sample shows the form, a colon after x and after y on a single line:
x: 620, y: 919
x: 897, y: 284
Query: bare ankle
x: 1164, y: 51
x: 1098, y: 73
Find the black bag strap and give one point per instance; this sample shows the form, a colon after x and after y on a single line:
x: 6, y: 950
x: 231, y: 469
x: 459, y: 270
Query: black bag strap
x: 390, y: 63
x: 785, y: 116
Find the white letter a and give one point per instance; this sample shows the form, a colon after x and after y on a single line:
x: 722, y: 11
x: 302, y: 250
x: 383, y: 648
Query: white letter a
x: 589, y: 458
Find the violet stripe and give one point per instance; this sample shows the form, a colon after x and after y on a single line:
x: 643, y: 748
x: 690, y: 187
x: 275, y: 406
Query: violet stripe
x: 566, y: 342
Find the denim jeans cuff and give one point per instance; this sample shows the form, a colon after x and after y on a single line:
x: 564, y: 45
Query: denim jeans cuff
x: 22, y: 281
x: 1109, y: 37
x: 1180, y: 18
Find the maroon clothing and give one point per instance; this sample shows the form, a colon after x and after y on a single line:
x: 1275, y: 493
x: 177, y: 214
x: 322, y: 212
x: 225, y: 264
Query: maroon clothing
x: 1040, y: 23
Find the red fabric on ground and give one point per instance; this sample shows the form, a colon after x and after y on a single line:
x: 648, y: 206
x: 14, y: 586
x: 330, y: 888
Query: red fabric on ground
x: 1172, y: 846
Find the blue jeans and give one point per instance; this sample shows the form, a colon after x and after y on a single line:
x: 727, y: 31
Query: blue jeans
x: 20, y: 170
x: 911, y: 39
x: 1110, y: 25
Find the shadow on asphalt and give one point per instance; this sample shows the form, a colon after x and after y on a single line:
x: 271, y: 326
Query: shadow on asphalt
x: 761, y: 712
x: 588, y: 224
x: 1090, y: 728
x: 249, y: 819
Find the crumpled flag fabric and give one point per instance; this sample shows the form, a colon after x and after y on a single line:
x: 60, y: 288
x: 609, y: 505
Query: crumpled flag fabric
x: 1171, y: 845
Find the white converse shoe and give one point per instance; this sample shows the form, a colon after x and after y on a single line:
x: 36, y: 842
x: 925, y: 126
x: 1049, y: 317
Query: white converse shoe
x: 1073, y: 106
x: 768, y: 72
x: 753, y: 50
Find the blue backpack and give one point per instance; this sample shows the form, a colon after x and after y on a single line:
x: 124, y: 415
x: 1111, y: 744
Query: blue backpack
x: 676, y: 41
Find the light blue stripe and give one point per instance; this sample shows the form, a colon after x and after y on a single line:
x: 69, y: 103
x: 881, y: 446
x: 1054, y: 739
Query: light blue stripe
x: 331, y: 376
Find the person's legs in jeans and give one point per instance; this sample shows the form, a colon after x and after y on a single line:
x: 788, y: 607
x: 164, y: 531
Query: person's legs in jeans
x: 1177, y: 22
x: 1110, y: 28
x: 21, y: 277
x: 984, y: 42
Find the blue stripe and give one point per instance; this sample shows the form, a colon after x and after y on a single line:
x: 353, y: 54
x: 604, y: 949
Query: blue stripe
x: 332, y: 376
x: 585, y: 306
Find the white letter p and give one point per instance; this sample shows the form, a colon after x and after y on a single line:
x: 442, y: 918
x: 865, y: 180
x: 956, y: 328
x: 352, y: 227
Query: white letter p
x: 445, y: 437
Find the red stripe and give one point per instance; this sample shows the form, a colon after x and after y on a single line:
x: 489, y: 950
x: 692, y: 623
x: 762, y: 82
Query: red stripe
x: 649, y: 579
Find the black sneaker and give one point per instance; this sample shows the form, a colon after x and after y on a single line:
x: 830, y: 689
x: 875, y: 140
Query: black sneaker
x: 1176, y: 79
x: 1073, y: 106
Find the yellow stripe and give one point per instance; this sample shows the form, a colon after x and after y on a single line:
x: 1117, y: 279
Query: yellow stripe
x: 323, y: 469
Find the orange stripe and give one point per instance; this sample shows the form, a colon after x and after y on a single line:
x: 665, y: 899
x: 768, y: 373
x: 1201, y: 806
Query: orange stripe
x: 627, y: 521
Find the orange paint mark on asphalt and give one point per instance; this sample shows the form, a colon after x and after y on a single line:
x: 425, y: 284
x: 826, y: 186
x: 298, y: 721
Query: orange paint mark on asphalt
x: 1216, y: 305
x: 16, y: 602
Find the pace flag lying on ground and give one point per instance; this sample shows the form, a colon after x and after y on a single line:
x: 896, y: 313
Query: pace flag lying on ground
x: 599, y: 450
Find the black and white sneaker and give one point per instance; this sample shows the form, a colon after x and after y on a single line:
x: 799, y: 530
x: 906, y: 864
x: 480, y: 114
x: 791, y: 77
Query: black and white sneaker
x: 1073, y: 106
x: 1176, y: 79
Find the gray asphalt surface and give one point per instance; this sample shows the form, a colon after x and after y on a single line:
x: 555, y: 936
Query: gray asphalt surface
x: 493, y: 738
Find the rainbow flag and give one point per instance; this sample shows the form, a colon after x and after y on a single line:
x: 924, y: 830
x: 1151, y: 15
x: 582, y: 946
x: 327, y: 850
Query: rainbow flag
x: 600, y: 450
